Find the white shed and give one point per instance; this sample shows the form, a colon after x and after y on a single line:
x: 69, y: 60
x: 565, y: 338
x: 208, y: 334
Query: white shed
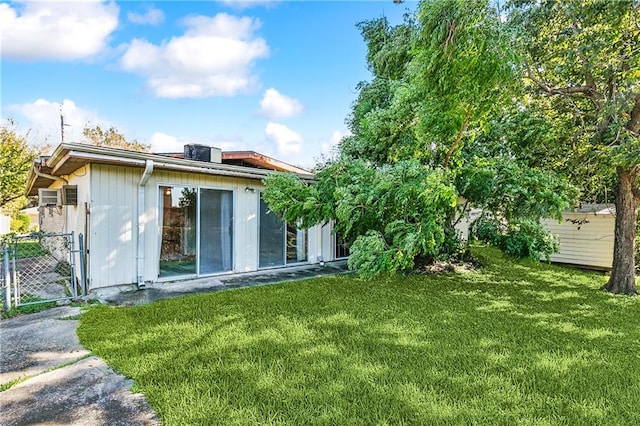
x: 586, y: 236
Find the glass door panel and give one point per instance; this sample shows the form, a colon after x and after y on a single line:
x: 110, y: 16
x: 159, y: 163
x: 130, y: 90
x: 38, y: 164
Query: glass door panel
x: 216, y: 231
x: 341, y: 249
x: 296, y: 244
x: 271, y: 244
x: 178, y: 231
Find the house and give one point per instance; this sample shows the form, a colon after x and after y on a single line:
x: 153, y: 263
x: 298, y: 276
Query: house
x: 151, y: 218
x: 586, y: 236
x: 34, y: 217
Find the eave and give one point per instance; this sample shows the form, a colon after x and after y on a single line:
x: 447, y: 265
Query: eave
x: 262, y: 161
x: 68, y: 157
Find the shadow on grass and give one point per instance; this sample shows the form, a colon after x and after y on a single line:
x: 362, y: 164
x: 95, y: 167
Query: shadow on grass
x: 504, y: 344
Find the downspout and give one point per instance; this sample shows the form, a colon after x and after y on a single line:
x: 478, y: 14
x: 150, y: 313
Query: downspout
x: 44, y: 175
x: 148, y: 169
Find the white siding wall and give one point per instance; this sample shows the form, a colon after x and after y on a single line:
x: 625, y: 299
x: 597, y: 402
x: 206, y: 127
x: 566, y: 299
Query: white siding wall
x: 76, y: 216
x: 315, y: 244
x: 113, y: 233
x: 113, y: 225
x: 591, y: 245
x: 327, y: 242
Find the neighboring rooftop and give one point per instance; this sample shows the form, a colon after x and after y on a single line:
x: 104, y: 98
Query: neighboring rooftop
x: 596, y: 209
x: 248, y: 159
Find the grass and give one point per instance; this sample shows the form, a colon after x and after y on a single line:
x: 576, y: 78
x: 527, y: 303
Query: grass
x: 25, y: 249
x: 512, y: 343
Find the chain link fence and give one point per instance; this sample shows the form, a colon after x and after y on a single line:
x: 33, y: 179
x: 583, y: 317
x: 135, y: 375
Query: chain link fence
x: 39, y: 268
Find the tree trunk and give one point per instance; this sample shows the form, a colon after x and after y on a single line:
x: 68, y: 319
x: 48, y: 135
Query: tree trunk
x: 622, y: 278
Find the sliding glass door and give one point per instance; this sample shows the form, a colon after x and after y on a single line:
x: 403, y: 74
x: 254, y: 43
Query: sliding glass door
x: 196, y: 235
x: 280, y: 243
x: 271, y: 246
x: 216, y: 231
x: 178, y: 230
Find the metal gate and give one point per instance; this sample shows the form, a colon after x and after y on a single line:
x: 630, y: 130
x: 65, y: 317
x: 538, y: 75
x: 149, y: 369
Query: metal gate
x: 39, y: 268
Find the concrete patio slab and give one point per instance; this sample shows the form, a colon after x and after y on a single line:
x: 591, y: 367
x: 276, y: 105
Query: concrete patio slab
x: 164, y: 290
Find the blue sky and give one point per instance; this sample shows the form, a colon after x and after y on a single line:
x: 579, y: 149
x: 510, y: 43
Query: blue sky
x: 274, y: 77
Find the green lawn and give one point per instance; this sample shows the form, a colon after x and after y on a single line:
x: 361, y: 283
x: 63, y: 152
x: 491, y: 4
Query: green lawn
x: 26, y: 249
x: 516, y: 342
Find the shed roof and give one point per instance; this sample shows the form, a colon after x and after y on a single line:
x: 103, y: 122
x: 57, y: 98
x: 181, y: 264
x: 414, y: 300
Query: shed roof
x: 597, y: 209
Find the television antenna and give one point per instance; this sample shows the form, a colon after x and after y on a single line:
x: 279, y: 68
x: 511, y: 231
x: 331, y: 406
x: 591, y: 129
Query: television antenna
x: 62, y: 125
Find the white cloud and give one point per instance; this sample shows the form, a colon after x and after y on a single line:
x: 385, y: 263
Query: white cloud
x: 56, y: 30
x: 333, y: 141
x: 42, y: 118
x: 287, y: 141
x: 275, y: 105
x: 246, y: 4
x: 151, y: 16
x: 214, y: 57
x: 161, y: 142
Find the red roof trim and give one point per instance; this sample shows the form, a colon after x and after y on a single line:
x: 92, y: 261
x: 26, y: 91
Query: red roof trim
x: 261, y: 160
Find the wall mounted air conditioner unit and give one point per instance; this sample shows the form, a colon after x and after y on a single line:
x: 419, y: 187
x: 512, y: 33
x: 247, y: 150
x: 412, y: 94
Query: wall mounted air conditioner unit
x: 69, y: 195
x: 48, y: 197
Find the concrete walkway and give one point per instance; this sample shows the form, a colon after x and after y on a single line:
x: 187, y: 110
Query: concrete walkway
x: 59, y: 382
x: 56, y: 381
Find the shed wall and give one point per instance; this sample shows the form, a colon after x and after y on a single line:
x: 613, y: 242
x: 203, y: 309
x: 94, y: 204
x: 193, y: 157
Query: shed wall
x: 588, y: 244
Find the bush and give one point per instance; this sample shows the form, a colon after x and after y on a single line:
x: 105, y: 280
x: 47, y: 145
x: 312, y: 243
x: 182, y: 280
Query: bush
x: 524, y: 238
x: 20, y: 224
x: 530, y: 239
x: 487, y: 229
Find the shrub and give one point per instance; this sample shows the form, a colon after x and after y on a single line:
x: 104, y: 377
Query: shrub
x: 529, y: 239
x: 525, y: 238
x: 20, y: 223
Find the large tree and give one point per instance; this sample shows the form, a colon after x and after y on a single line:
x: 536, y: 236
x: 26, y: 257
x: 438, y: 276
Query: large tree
x: 583, y: 68
x: 16, y: 158
x: 437, y: 81
x: 111, y: 138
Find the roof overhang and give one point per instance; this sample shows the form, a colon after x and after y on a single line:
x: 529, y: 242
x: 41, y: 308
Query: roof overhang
x: 262, y: 161
x: 39, y: 177
x: 68, y: 157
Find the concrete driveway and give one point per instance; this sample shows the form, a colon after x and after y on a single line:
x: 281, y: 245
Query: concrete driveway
x: 58, y: 381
